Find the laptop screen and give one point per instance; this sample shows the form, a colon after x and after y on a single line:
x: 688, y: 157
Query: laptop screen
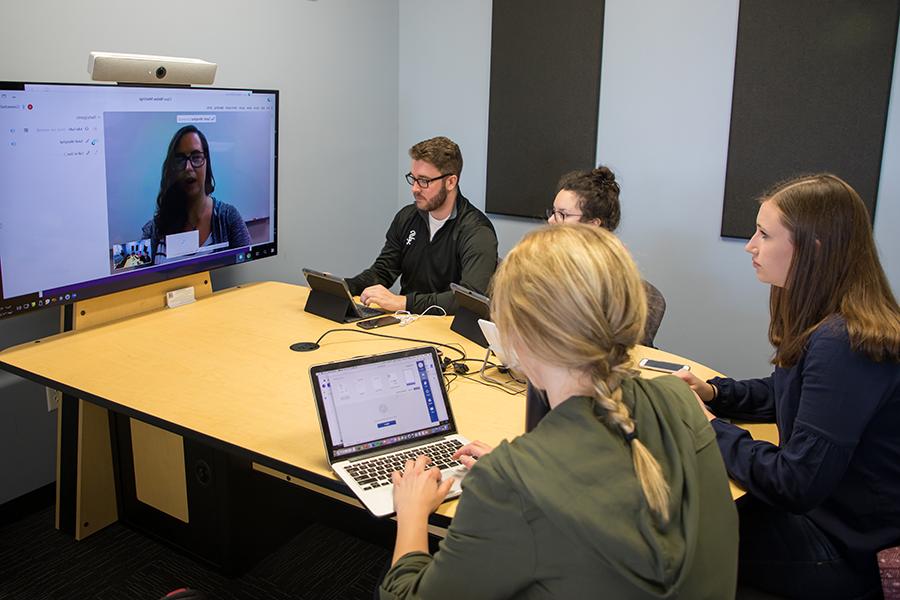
x: 380, y: 401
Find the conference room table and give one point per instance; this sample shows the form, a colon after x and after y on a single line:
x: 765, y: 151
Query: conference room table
x: 220, y: 374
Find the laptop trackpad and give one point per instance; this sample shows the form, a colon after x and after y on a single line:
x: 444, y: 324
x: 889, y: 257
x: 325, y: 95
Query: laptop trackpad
x: 457, y: 474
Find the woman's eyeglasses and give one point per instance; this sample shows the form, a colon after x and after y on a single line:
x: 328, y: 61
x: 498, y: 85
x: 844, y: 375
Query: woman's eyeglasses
x: 198, y: 159
x: 558, y: 215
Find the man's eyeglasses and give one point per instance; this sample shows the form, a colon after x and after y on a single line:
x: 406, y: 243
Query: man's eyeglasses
x: 423, y: 181
x: 558, y: 215
x: 198, y: 159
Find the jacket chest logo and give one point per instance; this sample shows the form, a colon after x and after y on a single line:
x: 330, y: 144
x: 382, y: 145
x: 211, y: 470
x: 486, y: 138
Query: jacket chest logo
x: 411, y: 237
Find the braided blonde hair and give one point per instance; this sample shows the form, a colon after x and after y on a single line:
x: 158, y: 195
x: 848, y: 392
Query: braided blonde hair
x: 573, y: 297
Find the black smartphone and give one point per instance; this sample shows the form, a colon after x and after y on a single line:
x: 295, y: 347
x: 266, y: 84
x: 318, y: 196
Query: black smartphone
x: 661, y: 365
x: 379, y: 322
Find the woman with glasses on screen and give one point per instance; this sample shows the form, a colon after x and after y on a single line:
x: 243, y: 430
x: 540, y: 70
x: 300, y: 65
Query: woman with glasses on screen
x: 619, y: 492
x: 184, y: 203
x: 821, y: 503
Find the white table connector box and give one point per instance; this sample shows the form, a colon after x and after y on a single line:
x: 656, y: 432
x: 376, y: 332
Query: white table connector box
x: 180, y: 297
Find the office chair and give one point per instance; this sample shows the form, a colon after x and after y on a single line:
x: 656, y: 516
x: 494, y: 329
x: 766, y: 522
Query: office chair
x: 656, y: 309
x: 889, y: 565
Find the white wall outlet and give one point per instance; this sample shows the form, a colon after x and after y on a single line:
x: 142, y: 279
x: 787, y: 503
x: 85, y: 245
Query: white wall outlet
x: 53, y: 398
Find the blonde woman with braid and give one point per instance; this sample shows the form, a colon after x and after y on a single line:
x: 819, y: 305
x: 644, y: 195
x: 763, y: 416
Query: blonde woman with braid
x: 620, y: 490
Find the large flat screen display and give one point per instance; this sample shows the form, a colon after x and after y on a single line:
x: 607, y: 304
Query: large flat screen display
x: 104, y: 187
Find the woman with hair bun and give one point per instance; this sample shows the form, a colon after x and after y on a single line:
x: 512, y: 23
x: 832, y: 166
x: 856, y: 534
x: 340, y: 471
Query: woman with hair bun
x: 587, y: 197
x: 821, y: 503
x: 592, y: 197
x: 619, y: 491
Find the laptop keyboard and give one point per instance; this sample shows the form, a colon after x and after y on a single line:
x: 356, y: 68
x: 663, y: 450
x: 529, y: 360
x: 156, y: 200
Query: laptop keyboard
x: 367, y: 311
x: 376, y: 472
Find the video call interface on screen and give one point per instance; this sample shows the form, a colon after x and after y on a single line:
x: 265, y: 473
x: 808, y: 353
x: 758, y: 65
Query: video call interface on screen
x: 91, y: 175
x: 383, y: 403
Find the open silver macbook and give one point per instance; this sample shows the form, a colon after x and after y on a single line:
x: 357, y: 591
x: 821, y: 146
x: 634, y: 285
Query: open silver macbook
x: 377, y: 411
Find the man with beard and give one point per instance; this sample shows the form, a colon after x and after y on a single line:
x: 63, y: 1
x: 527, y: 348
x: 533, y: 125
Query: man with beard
x: 184, y: 203
x: 438, y: 240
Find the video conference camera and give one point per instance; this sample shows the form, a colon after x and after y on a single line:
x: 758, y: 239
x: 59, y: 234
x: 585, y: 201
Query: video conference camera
x: 144, y: 68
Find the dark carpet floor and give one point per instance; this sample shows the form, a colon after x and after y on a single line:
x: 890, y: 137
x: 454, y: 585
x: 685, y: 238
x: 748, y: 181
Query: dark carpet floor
x: 38, y: 562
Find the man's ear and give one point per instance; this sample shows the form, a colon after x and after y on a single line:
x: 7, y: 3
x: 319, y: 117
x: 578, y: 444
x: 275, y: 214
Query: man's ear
x: 451, y: 182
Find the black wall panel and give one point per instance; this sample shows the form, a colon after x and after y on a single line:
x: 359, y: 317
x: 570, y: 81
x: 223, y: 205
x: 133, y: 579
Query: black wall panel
x: 811, y: 90
x: 545, y: 93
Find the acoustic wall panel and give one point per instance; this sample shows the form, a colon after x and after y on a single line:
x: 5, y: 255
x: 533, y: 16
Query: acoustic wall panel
x: 545, y: 94
x: 811, y: 90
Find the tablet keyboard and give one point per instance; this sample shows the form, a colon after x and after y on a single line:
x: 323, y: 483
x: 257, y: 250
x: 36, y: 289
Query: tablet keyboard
x: 366, y: 311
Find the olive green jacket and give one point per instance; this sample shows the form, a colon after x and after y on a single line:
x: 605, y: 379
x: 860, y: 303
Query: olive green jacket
x: 559, y: 512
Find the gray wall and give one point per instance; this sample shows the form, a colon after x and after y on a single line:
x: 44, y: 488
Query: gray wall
x: 335, y: 63
x: 444, y: 66
x: 665, y: 105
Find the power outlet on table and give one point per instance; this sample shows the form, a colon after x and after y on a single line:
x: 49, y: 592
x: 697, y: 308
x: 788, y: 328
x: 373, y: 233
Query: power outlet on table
x: 53, y: 398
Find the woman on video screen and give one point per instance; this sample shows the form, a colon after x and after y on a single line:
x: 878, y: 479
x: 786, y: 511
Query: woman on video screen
x: 184, y: 202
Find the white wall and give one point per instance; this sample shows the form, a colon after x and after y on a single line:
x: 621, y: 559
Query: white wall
x: 444, y: 78
x: 335, y: 63
x: 665, y: 105
x: 665, y: 108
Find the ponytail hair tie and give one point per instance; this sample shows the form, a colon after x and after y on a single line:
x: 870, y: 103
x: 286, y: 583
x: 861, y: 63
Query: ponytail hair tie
x: 630, y: 436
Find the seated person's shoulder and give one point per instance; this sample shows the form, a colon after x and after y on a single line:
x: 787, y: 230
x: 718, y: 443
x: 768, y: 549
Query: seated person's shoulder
x: 406, y: 215
x: 476, y: 227
x: 832, y: 331
x: 477, y: 217
x: 674, y: 401
x: 495, y: 470
x: 229, y: 210
x: 666, y: 385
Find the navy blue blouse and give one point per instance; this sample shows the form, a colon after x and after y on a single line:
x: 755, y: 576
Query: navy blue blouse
x: 838, y: 461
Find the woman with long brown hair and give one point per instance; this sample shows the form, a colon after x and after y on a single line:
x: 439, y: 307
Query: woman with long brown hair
x: 827, y: 498
x: 620, y: 490
x: 185, y: 202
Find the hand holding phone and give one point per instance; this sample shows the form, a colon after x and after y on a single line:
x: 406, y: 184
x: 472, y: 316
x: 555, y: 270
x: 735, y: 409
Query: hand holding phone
x: 379, y: 322
x: 704, y: 390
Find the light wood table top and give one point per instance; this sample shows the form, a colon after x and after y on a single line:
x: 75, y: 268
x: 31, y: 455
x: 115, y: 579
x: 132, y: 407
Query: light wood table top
x: 221, y: 370
x: 759, y: 431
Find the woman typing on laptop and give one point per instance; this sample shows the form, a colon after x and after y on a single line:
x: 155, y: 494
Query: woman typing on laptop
x: 619, y: 489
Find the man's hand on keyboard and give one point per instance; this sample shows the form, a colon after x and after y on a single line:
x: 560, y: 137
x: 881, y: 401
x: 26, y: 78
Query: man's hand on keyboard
x: 383, y: 297
x: 471, y: 452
